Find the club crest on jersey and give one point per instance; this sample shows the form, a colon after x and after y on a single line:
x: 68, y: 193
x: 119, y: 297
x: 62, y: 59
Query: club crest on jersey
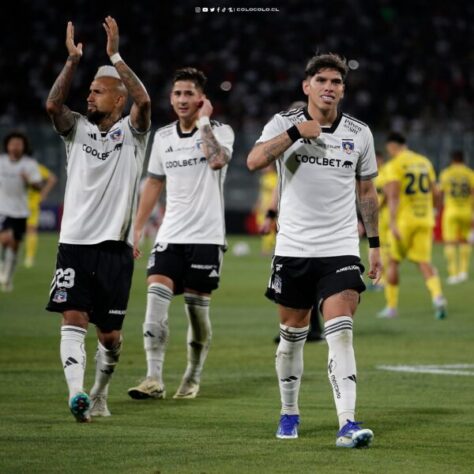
x: 198, y: 143
x: 60, y: 296
x: 116, y: 135
x: 348, y: 146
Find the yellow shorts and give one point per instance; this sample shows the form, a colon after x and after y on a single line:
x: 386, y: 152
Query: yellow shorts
x: 33, y: 219
x: 416, y: 243
x: 456, y: 227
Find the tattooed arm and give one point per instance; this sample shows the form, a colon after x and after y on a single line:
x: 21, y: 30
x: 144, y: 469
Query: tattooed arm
x: 267, y: 152
x: 369, y: 209
x: 60, y: 114
x: 368, y: 206
x: 217, y: 156
x: 140, y: 114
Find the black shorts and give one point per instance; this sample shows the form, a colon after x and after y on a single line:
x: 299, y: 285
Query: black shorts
x: 302, y: 282
x: 95, y: 279
x: 16, y: 224
x: 193, y: 266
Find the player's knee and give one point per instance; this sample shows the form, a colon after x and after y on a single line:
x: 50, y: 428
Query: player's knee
x: 75, y: 318
x: 110, y: 340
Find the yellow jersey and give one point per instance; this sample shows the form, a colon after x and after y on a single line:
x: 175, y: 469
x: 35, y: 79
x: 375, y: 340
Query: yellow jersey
x: 379, y: 182
x: 34, y: 196
x: 416, y: 176
x: 457, y: 184
x: 268, y: 182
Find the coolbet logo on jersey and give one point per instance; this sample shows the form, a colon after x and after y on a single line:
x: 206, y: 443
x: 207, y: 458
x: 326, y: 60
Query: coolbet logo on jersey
x: 185, y: 163
x: 322, y: 161
x: 100, y: 155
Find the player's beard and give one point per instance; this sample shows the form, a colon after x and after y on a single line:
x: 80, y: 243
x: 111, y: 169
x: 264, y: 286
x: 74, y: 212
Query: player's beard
x: 95, y: 116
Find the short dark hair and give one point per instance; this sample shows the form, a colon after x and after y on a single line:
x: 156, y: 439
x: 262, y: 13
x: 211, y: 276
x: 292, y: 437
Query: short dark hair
x: 27, y: 150
x: 396, y: 137
x: 327, y: 61
x: 191, y: 74
x: 457, y: 156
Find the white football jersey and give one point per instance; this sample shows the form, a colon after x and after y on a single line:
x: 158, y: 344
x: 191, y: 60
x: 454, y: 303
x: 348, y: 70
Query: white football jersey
x: 317, y: 185
x: 103, y: 173
x: 194, y: 192
x: 13, y: 190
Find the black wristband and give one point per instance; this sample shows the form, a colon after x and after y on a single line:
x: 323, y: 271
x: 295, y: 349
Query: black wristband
x: 374, y: 242
x: 271, y: 214
x: 294, y: 133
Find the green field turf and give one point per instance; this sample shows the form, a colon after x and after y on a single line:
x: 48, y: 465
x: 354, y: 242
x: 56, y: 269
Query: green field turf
x: 423, y: 423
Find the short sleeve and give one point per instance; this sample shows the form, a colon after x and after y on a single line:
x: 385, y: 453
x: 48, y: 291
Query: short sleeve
x: 225, y: 136
x: 68, y: 137
x: 155, y: 165
x: 367, y: 164
x: 273, y: 128
x: 33, y: 173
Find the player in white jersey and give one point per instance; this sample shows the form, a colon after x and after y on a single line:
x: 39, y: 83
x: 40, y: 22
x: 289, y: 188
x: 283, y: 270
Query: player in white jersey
x: 191, y: 157
x: 325, y: 159
x: 94, y: 267
x: 17, y: 172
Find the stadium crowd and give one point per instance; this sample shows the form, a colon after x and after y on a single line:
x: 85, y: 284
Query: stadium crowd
x: 411, y: 61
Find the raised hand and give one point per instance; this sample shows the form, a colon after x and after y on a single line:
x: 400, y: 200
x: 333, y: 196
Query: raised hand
x: 111, y: 28
x: 206, y: 108
x: 309, y: 129
x: 75, y: 51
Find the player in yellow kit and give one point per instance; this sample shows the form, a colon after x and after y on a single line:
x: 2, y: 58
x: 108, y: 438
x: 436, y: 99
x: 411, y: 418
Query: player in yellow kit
x: 457, y: 186
x: 410, y: 184
x: 34, y: 202
x: 268, y: 184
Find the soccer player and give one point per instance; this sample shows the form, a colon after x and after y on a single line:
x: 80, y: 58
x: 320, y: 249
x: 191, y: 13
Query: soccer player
x: 105, y: 153
x: 410, y: 189
x: 457, y: 187
x: 190, y: 155
x: 17, y: 171
x: 325, y: 159
x: 35, y: 198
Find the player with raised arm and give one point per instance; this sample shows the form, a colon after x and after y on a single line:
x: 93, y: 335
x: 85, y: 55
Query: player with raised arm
x: 190, y: 155
x: 105, y: 154
x: 325, y: 159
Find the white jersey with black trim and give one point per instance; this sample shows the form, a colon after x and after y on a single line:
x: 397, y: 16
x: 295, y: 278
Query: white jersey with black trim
x: 194, y: 192
x: 317, y: 184
x: 13, y: 189
x: 103, y: 173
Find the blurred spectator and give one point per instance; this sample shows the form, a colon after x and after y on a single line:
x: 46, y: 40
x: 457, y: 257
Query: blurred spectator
x: 411, y: 61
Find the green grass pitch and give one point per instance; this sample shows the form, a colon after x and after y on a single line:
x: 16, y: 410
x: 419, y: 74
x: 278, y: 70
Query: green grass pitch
x: 423, y: 423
